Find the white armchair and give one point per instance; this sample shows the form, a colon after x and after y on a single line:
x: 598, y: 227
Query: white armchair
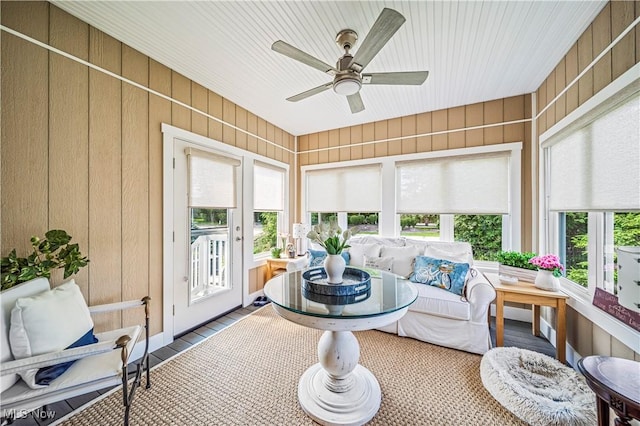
x: 97, y: 366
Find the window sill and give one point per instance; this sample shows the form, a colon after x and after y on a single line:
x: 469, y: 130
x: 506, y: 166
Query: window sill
x: 580, y: 300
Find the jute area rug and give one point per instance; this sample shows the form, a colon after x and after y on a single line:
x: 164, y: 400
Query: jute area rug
x: 247, y: 374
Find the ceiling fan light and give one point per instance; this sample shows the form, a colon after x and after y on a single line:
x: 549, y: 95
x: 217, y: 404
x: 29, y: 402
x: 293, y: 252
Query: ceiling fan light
x: 347, y: 87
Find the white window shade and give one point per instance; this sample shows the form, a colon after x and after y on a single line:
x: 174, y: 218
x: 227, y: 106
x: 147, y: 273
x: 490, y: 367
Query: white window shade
x: 268, y: 188
x: 212, y: 180
x: 476, y: 184
x: 348, y: 189
x: 597, y: 167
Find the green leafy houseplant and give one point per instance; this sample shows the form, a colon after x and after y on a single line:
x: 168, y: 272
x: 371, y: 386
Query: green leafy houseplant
x: 330, y: 237
x: 516, y: 259
x: 53, y: 252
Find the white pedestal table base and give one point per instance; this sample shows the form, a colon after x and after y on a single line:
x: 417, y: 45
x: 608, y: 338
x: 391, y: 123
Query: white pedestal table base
x: 337, y: 390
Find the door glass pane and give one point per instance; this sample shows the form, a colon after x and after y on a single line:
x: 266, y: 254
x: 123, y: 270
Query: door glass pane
x: 420, y: 226
x: 209, y: 253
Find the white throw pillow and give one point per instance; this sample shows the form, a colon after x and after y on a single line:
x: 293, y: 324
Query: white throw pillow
x: 381, y: 263
x: 403, y: 258
x: 358, y: 251
x: 48, y: 322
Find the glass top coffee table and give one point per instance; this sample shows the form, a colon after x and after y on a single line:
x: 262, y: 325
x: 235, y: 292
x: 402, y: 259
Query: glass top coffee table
x: 338, y: 390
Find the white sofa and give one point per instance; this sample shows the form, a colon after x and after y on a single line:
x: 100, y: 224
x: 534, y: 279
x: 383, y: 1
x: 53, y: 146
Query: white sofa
x: 437, y: 316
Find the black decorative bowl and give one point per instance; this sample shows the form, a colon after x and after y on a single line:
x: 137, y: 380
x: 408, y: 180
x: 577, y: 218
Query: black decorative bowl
x: 336, y: 300
x: 354, y: 281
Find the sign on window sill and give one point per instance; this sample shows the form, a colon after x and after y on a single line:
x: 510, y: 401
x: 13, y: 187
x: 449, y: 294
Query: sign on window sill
x: 609, y: 303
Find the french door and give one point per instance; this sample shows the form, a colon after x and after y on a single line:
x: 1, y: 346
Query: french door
x: 207, y: 241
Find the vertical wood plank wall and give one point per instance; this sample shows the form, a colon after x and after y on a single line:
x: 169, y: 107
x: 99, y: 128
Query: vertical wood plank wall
x: 583, y: 335
x: 347, y: 143
x: 82, y: 150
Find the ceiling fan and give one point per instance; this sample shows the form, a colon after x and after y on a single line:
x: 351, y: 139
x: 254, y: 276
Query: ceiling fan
x: 347, y: 74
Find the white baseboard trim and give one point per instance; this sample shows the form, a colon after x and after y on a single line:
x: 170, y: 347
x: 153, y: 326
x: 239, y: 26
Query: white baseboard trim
x: 550, y: 333
x: 252, y: 297
x: 517, y: 314
x: 155, y: 342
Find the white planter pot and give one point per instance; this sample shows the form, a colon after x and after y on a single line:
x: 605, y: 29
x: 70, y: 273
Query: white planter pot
x: 522, y: 274
x: 545, y: 280
x: 334, y: 265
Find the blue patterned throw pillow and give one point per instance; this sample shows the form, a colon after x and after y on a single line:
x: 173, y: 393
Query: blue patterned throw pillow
x: 316, y: 257
x: 440, y: 273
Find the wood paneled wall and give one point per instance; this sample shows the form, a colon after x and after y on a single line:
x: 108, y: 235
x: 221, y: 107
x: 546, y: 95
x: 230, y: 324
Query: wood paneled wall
x: 457, y: 131
x: 583, y: 335
x: 614, y: 18
x: 82, y: 150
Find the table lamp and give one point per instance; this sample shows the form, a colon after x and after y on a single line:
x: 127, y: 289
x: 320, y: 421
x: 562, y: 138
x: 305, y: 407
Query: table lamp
x: 299, y: 234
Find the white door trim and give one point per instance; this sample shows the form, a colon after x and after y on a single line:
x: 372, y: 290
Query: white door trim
x: 169, y: 133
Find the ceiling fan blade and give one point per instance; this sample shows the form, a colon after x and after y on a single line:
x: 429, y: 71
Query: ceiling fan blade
x: 415, y: 78
x: 382, y: 30
x: 310, y: 92
x: 294, y: 53
x: 355, y: 103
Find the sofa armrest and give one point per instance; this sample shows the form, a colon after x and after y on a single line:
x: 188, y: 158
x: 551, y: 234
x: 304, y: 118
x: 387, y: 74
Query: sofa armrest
x: 480, y: 293
x: 53, y: 358
x: 298, y: 264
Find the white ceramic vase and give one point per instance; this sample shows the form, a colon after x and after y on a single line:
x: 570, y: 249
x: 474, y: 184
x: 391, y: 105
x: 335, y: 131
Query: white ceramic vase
x: 334, y: 265
x: 545, y: 280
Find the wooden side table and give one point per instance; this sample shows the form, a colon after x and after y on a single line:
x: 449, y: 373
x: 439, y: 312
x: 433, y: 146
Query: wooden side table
x: 274, y: 265
x: 524, y: 292
x: 616, y: 382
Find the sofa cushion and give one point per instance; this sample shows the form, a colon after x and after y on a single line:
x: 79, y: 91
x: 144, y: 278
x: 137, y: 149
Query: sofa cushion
x: 358, y: 251
x: 435, y: 301
x: 48, y: 322
x: 441, y: 273
x: 458, y: 252
x: 383, y: 241
x: 403, y: 258
x: 381, y: 263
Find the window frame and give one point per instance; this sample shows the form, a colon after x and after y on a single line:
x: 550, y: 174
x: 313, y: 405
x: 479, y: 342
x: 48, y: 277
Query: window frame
x: 549, y: 237
x: 389, y: 220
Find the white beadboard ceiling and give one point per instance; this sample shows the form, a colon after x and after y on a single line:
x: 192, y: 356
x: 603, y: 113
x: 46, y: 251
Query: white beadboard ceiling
x: 474, y: 50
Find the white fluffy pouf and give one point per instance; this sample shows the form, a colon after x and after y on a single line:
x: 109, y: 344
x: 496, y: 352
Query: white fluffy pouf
x: 537, y: 388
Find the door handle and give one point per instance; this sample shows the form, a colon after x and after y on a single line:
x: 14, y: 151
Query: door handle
x: 238, y: 238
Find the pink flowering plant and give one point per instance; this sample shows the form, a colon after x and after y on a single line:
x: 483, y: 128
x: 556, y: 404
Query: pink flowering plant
x: 548, y: 262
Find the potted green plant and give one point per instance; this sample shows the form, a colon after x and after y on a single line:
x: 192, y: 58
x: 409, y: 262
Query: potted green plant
x: 275, y: 252
x: 52, y: 252
x: 516, y: 264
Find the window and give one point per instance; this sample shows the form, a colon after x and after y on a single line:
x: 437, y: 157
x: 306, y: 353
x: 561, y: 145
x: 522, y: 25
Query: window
x: 268, y: 206
x: 421, y: 196
x: 592, y: 178
x: 483, y: 232
x: 573, y: 245
x: 420, y: 226
x: 363, y: 223
x: 349, y: 195
x: 458, y: 197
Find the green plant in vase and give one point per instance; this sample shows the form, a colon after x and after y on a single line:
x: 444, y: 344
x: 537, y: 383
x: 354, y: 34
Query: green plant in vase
x: 52, y: 252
